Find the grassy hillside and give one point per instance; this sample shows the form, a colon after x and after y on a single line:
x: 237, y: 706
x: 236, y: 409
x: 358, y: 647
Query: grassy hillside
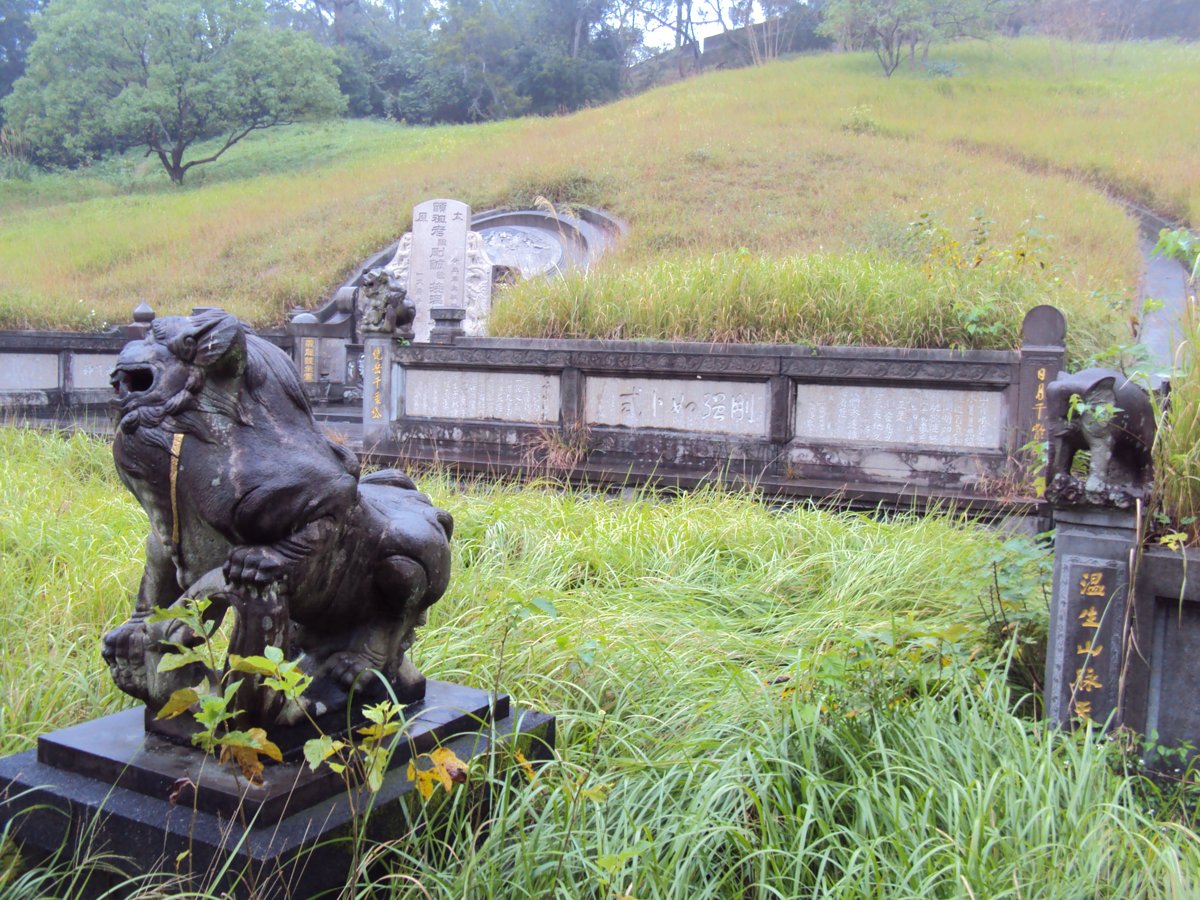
x: 750, y: 702
x: 816, y: 155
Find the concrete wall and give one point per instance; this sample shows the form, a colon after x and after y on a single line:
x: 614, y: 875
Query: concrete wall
x: 867, y: 422
x: 63, y: 374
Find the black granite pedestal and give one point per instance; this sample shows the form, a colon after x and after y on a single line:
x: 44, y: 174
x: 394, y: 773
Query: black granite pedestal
x: 106, y: 787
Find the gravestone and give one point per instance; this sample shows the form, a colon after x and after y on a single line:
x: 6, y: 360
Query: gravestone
x: 443, y: 263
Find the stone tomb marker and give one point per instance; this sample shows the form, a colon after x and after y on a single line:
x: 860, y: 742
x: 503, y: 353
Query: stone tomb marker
x: 443, y: 263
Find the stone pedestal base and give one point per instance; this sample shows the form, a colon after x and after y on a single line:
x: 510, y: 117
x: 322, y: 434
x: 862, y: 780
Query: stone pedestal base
x: 104, y: 787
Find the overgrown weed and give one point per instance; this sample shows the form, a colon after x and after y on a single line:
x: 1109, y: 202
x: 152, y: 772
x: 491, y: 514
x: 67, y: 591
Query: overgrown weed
x: 751, y: 701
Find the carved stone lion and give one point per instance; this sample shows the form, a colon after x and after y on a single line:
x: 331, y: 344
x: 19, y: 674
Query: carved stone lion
x: 251, y: 505
x: 1103, y: 412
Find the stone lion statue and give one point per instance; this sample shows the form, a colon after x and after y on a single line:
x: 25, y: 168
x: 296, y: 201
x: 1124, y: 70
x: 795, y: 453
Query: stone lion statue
x: 253, y: 507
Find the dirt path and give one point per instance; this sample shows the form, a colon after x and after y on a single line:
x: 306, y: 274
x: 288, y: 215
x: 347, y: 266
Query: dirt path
x: 1164, y: 280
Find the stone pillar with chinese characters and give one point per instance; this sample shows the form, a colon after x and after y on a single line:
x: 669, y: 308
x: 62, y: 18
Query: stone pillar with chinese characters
x: 378, y: 389
x: 1089, y: 615
x: 1043, y: 351
x: 437, y: 262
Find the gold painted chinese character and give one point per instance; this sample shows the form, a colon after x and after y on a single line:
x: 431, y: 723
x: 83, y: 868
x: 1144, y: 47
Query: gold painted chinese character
x: 376, y: 413
x: 1089, y: 618
x: 1086, y: 680
x: 1092, y: 584
x: 1091, y: 648
x: 1083, y: 709
x: 1038, y: 432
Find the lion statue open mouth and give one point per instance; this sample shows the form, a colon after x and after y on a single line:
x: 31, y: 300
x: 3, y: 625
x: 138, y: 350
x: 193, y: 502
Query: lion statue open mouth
x: 252, y: 506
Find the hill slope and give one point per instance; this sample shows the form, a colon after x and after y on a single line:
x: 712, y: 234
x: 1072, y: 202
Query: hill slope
x: 813, y: 155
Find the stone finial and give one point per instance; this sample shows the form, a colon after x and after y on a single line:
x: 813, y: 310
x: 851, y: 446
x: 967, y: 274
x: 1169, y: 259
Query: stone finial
x: 143, y: 316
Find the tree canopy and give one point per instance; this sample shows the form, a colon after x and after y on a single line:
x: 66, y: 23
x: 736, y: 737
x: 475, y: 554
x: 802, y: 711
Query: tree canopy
x: 892, y: 27
x: 164, y: 74
x: 16, y: 35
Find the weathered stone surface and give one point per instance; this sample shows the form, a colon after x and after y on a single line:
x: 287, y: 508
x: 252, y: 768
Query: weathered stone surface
x: 1087, y: 613
x: 477, y: 287
x: 90, y: 371
x: 1104, y: 412
x: 306, y: 853
x: 28, y: 371
x: 501, y: 396
x: 1162, y: 698
x: 720, y: 407
x: 531, y: 251
x: 443, y: 263
x: 252, y: 507
x: 888, y: 415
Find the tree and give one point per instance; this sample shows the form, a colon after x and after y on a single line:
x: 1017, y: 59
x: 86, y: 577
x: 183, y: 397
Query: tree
x: 893, y: 27
x: 15, y: 37
x: 108, y: 75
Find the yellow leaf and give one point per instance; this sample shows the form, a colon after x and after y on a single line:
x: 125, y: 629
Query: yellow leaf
x: 596, y: 794
x: 450, y: 770
x: 178, y: 703
x: 246, y: 759
x: 258, y: 738
x: 526, y: 767
x: 445, y: 768
x: 423, y: 779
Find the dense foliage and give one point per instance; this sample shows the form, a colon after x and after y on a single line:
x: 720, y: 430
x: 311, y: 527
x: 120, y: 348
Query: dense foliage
x: 112, y: 74
x: 16, y: 34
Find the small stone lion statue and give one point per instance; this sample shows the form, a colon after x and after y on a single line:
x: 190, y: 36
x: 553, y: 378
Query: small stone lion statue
x: 1105, y: 413
x: 385, y: 304
x: 252, y: 506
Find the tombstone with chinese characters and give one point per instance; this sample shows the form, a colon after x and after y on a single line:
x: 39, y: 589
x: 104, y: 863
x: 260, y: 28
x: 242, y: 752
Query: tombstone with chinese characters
x: 442, y: 263
x: 1102, y: 412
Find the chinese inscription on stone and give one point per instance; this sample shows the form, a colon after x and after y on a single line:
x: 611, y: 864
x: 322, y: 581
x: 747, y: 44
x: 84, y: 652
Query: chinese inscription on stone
x: 1085, y: 650
x: 437, y: 266
x: 308, y: 359
x: 1037, y: 431
x: 724, y: 407
x: 376, y: 382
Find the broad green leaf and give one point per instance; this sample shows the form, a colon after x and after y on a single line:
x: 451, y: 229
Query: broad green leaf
x: 251, y: 665
x: 319, y: 749
x: 169, y: 662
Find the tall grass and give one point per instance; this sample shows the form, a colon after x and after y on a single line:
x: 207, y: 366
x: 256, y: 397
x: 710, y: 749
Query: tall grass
x: 1177, y: 444
x: 755, y: 158
x: 818, y: 299
x: 752, y: 702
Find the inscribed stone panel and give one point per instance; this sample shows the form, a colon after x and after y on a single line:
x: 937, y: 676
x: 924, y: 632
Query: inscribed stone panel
x: 503, y: 396
x: 91, y: 370
x: 437, y: 265
x: 719, y: 407
x: 927, y: 417
x: 29, y: 371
